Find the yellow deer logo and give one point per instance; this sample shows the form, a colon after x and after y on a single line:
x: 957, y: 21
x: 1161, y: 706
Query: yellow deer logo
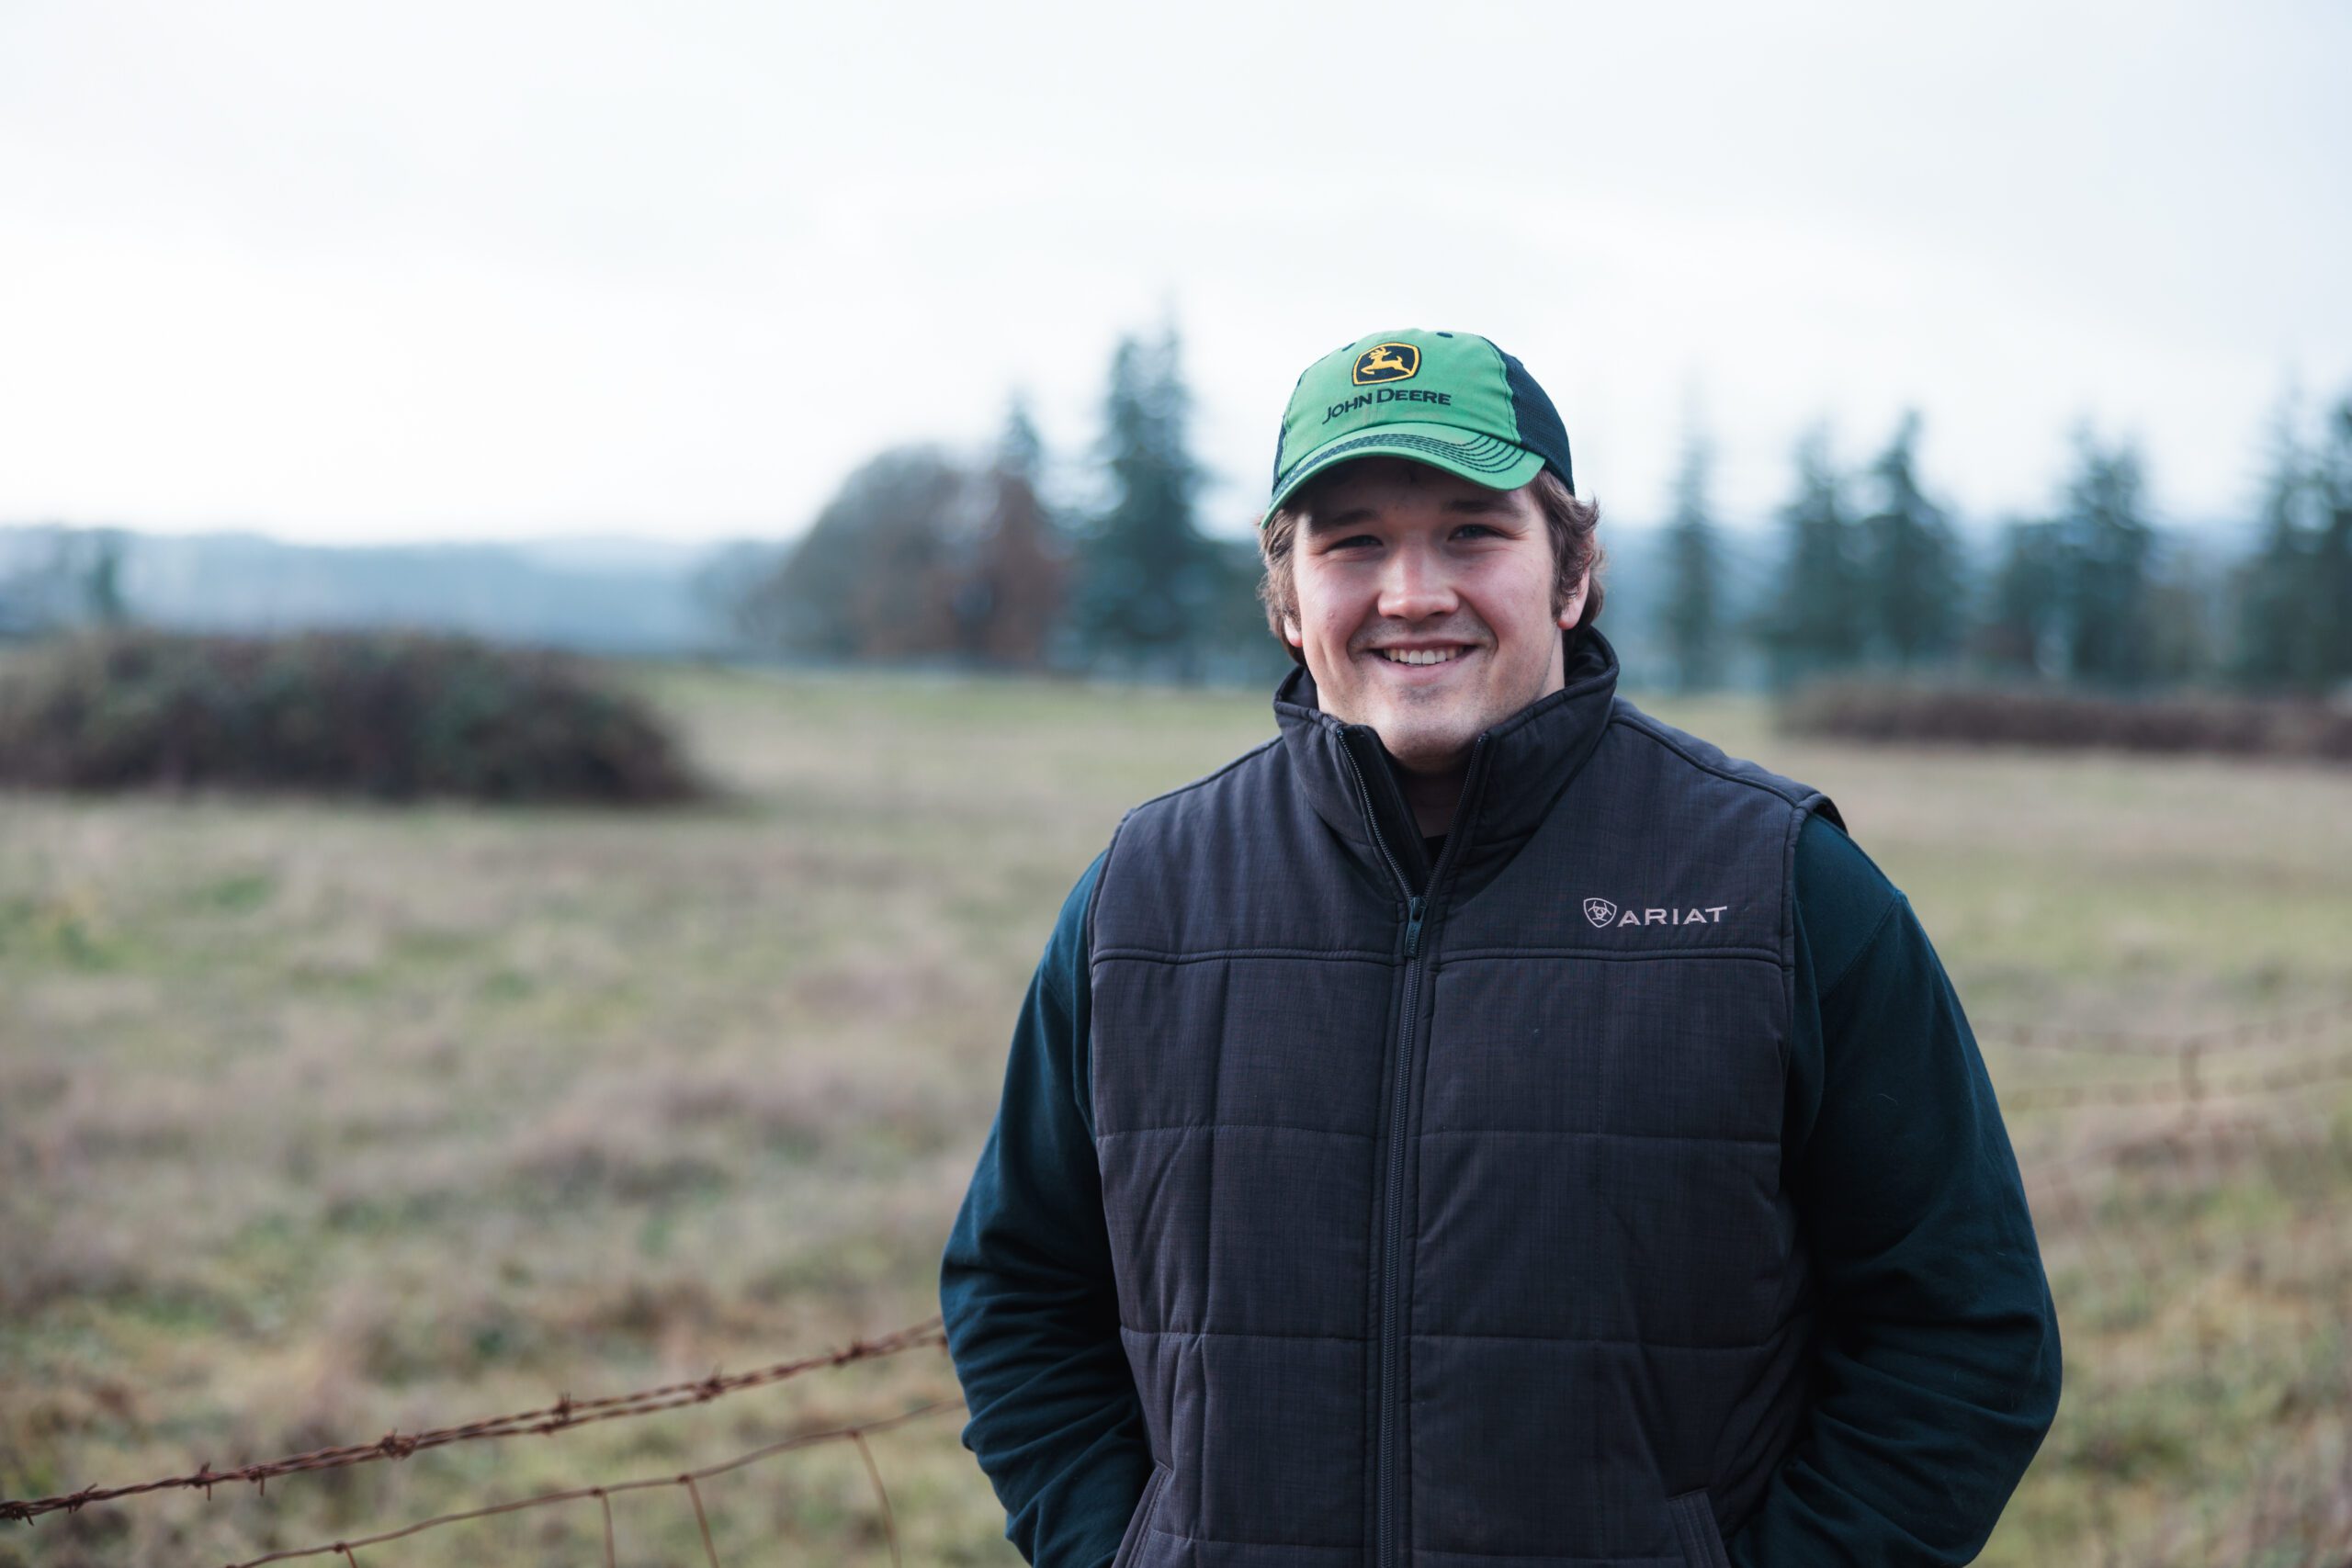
x: 1387, y: 362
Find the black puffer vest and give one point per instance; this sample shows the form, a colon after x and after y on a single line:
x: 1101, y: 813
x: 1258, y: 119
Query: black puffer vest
x: 1445, y: 1201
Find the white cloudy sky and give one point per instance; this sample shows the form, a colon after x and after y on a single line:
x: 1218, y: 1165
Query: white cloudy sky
x: 471, y: 270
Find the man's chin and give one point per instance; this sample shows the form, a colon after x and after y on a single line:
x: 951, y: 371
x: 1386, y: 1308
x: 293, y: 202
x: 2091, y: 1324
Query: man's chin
x: 1423, y: 747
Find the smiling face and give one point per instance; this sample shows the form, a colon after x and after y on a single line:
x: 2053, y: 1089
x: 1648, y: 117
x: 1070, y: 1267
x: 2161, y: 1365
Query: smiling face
x: 1425, y: 606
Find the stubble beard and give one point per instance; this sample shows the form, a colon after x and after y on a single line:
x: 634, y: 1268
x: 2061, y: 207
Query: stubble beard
x: 1429, y: 736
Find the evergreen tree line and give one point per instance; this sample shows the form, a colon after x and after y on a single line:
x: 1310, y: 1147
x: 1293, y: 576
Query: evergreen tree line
x: 1871, y: 575
x: 922, y: 557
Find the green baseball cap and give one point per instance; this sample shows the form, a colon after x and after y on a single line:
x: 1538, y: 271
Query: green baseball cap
x: 1451, y: 400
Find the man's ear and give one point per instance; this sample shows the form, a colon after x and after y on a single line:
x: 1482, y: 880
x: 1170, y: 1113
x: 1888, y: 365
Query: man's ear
x: 1573, y: 611
x: 1296, y: 638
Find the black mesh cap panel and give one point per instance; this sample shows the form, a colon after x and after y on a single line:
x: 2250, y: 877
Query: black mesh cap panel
x: 1540, y: 430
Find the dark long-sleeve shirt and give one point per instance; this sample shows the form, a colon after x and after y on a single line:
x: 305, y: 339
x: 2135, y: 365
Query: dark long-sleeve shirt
x: 1938, y: 1359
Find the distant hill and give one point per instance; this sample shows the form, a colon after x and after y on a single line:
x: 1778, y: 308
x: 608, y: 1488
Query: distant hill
x: 596, y: 595
x: 644, y: 597
x: 620, y: 596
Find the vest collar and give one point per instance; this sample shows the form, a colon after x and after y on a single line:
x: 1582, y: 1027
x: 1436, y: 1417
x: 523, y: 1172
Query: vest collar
x: 1517, y: 770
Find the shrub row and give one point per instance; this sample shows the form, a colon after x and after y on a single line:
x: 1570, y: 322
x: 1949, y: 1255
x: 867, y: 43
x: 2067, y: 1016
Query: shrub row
x: 391, y: 715
x: 1986, y: 715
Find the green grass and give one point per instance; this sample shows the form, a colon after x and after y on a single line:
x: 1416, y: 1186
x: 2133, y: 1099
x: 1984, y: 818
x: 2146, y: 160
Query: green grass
x: 317, y: 1121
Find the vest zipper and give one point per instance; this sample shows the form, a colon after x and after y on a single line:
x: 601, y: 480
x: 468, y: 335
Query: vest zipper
x: 1386, y: 1548
x: 1391, y: 1336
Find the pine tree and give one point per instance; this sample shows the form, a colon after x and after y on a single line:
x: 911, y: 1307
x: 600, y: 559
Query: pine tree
x: 1149, y: 581
x: 2332, y: 558
x: 2276, y: 642
x: 1009, y: 592
x: 1693, y: 615
x: 1819, y: 621
x: 2029, y: 601
x: 101, y: 575
x: 1020, y: 450
x: 2182, y: 608
x: 1912, y: 560
x: 2106, y: 548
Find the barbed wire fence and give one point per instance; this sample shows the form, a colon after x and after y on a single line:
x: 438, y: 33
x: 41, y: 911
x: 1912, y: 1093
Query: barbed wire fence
x: 687, y: 1480
x: 565, y: 1414
x: 2194, y: 1190
x: 2220, y: 1158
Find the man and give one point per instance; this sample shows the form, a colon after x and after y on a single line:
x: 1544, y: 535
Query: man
x: 1484, y: 1127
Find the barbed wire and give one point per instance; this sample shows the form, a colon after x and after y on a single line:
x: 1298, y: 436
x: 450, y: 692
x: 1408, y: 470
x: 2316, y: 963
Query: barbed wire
x: 2258, y: 1123
x: 689, y: 1480
x: 2232, y: 1116
x: 564, y: 1414
x: 2189, y: 1085
x: 2108, y: 1200
x: 2240, y: 1035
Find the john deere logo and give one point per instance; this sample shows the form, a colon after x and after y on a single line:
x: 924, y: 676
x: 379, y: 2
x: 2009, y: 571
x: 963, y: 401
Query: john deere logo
x: 1600, y: 911
x: 1387, y: 362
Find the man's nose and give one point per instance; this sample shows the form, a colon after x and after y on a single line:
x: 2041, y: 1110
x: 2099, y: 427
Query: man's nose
x: 1415, y: 586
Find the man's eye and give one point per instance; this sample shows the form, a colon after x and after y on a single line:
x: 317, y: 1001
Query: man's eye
x: 1354, y: 540
x: 1472, y: 529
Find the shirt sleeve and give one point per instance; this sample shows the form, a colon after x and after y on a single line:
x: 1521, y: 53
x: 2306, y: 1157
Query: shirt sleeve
x: 1938, y: 1366
x: 1026, y: 1286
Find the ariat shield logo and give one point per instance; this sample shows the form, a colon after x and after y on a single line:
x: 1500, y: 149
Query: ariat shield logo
x: 1602, y: 912
x: 1387, y: 362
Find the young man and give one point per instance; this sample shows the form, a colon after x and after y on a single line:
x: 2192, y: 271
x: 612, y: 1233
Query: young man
x: 1484, y: 1127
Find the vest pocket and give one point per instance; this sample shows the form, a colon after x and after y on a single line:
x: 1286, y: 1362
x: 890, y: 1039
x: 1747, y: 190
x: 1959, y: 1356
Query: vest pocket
x: 1695, y: 1529
x: 1140, y: 1521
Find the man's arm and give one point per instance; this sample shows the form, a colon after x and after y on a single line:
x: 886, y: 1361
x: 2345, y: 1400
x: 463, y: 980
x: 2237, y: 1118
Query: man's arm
x: 1939, y: 1357
x: 1032, y: 1318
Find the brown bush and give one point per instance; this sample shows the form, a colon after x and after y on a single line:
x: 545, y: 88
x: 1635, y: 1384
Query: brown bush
x: 1993, y: 716
x: 391, y: 715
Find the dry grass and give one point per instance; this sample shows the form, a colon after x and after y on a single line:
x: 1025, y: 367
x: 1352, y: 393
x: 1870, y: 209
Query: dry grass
x: 320, y: 1121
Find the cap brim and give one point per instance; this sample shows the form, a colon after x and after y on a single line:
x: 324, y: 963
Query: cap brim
x: 1481, y: 459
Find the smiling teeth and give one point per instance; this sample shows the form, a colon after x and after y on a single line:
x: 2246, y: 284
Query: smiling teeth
x: 1419, y: 655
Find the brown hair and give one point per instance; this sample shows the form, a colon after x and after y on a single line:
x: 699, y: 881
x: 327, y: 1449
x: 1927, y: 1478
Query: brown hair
x: 1576, y: 552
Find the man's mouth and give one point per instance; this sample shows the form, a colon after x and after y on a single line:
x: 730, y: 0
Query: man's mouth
x: 1420, y: 655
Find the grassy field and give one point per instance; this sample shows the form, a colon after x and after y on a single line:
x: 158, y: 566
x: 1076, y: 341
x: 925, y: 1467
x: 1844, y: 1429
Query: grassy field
x: 321, y: 1121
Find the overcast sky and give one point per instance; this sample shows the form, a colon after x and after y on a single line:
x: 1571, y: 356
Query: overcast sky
x: 346, y: 272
